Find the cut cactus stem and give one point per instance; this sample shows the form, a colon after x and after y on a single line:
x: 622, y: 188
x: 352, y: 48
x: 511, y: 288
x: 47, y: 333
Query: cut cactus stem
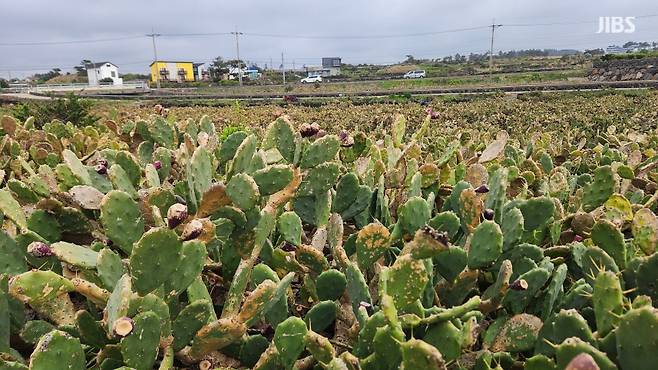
x: 205, y: 365
x: 488, y: 214
x: 123, y: 326
x: 176, y: 214
x: 192, y: 230
x: 307, y: 130
x: 39, y: 250
x: 439, y: 236
x: 482, y: 189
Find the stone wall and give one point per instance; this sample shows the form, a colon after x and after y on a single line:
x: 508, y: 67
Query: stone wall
x: 625, y: 70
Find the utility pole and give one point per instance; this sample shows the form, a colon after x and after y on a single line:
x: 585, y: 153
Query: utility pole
x: 293, y: 66
x: 237, y: 51
x: 493, y: 32
x: 271, y: 64
x: 283, y: 68
x: 153, y: 35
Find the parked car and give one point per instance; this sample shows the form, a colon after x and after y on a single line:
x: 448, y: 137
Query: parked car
x: 311, y: 79
x: 414, y: 74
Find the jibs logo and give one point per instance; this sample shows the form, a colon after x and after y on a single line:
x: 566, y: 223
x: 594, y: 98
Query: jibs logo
x: 616, y: 25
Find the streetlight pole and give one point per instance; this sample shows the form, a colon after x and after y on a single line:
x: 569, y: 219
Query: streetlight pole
x: 153, y: 35
x: 237, y: 52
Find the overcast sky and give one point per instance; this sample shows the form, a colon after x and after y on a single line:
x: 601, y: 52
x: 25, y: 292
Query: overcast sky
x: 28, y: 21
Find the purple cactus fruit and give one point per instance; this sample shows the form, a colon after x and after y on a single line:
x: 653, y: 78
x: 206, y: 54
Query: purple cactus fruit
x: 176, y: 214
x: 488, y: 214
x: 520, y: 284
x: 192, y: 230
x: 123, y: 326
x: 578, y: 238
x: 39, y: 250
x: 482, y: 189
x: 367, y: 306
x: 321, y: 133
x: 346, y: 140
x: 288, y: 247
x: 100, y: 169
x: 157, y: 165
x: 583, y: 361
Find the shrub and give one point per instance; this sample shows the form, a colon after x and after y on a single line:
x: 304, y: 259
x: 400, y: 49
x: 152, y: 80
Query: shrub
x: 68, y: 109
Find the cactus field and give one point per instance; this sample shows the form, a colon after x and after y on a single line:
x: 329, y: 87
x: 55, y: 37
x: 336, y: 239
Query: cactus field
x: 157, y: 240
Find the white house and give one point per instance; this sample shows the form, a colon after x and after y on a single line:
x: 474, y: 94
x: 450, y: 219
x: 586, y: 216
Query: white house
x: 104, y: 70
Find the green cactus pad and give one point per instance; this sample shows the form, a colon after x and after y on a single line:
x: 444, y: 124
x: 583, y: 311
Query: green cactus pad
x: 199, y: 176
x: 13, y: 258
x: 91, y: 331
x: 607, y: 300
x: 331, y: 285
x: 119, y: 302
x: 518, y: 334
x: 571, y: 347
x: 140, y: 348
x: 319, y: 179
x: 193, y: 257
x: 34, y: 330
x: 603, y: 186
x: 486, y: 245
x: 451, y: 263
x: 371, y: 243
x: 634, y: 348
x: 406, y: 281
x: 243, y: 191
x: 607, y: 237
x: 517, y: 300
x: 417, y: 354
x: 645, y: 230
x: 47, y: 293
x: 12, y: 209
x: 155, y: 256
x: 321, y: 315
x: 109, y: 268
x: 190, y: 320
x: 321, y: 150
x: 58, y: 351
x: 273, y: 178
x: 281, y: 136
x: 289, y: 340
x: 75, y: 255
x: 446, y: 337
x: 121, y: 219
x: 130, y: 166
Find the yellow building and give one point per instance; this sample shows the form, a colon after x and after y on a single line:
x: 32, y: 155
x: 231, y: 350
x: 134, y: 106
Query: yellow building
x: 173, y: 71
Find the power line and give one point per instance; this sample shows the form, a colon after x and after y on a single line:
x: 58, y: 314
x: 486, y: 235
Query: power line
x: 363, y: 37
x: 68, y: 42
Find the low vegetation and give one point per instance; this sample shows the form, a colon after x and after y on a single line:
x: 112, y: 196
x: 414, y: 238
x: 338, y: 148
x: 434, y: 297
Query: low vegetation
x: 496, y: 233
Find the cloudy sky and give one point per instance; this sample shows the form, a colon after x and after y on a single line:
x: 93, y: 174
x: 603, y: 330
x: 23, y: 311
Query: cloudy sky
x: 32, y: 32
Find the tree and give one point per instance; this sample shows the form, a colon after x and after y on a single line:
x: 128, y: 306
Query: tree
x: 3, y: 83
x: 410, y: 59
x: 81, y: 69
x: 218, y: 68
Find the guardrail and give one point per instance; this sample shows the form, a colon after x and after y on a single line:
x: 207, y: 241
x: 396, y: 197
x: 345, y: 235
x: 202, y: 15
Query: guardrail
x: 76, y: 87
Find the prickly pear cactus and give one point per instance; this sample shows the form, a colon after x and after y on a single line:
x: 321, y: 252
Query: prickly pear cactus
x: 157, y: 244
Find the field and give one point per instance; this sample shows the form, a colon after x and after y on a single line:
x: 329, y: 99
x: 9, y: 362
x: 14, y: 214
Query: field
x: 479, y: 232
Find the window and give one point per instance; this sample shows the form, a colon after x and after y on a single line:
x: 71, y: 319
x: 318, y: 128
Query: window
x: 113, y: 73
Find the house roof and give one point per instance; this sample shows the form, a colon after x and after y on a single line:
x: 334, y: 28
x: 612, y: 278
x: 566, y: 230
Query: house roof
x: 175, y: 61
x: 97, y: 65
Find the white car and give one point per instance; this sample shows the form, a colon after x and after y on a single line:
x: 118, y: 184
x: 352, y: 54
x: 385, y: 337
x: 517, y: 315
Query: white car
x: 311, y: 79
x: 414, y: 74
